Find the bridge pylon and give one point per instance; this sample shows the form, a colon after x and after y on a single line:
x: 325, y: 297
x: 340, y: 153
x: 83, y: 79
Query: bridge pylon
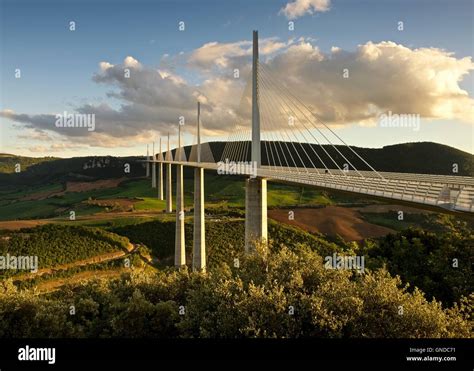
x: 147, y: 163
x: 169, y: 195
x: 160, y: 174
x: 180, y: 252
x: 199, y: 231
x: 256, y: 229
x: 153, y: 168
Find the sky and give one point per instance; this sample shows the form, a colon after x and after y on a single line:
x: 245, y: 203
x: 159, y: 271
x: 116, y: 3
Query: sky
x: 424, y: 69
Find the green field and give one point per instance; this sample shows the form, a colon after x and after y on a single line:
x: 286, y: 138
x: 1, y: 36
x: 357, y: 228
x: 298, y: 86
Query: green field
x: 220, y: 191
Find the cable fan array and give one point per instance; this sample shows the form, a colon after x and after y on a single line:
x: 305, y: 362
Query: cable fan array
x: 293, y: 138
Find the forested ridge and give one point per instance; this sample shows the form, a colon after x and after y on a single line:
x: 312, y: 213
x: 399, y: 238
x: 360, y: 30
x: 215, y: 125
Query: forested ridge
x: 60, y: 244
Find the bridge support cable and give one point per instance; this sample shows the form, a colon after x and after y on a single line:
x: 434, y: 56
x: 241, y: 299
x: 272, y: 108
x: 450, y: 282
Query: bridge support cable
x: 281, y: 107
x: 275, y: 110
x: 317, y: 141
x: 270, y: 112
x: 273, y: 140
x: 268, y: 129
x: 291, y: 95
x: 236, y: 146
x: 289, y: 100
x: 246, y: 107
x: 270, y: 140
x: 304, y: 137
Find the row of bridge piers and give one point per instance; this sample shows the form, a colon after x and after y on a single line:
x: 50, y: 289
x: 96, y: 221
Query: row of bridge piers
x: 255, y: 210
x: 255, y: 188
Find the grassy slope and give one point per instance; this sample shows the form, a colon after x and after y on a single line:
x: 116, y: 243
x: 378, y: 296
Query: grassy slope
x: 8, y: 162
x: 220, y: 190
x: 420, y: 157
x: 50, y: 174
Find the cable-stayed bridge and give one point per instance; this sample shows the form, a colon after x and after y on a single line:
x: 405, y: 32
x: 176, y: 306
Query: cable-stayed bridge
x: 276, y: 137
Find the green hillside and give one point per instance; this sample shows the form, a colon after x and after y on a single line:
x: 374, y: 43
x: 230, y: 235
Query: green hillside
x: 49, y: 169
x: 60, y: 244
x: 9, y: 162
x: 421, y: 157
x: 40, y: 189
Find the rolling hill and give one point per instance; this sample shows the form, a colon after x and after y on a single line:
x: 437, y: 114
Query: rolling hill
x: 420, y: 157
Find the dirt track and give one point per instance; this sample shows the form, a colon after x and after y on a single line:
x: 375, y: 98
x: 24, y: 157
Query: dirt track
x: 18, y: 224
x: 332, y: 221
x: 92, y: 260
x: 55, y: 284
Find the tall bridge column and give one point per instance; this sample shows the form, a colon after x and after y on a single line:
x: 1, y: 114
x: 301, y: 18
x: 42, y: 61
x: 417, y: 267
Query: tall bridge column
x: 179, y: 251
x: 199, y: 231
x: 160, y: 173
x: 199, y: 234
x: 160, y: 181
x: 153, y: 169
x: 255, y: 212
x: 169, y: 195
x: 255, y: 188
x: 147, y: 163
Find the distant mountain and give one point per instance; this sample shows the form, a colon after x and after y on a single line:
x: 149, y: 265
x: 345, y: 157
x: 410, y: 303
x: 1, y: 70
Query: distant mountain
x: 8, y: 162
x: 50, y: 169
x: 421, y: 157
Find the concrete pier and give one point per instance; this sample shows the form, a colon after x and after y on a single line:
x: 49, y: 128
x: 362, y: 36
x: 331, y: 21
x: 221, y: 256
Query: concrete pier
x: 160, y: 181
x: 256, y: 228
x: 180, y: 252
x: 153, y: 169
x: 169, y: 195
x: 179, y: 249
x: 147, y: 164
x: 199, y: 231
x: 160, y: 173
x: 199, y: 234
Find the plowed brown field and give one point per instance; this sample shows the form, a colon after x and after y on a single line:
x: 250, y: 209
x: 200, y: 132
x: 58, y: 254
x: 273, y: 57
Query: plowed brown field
x: 331, y: 220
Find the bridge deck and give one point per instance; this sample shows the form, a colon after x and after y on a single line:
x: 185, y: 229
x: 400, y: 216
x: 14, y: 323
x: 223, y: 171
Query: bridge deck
x: 447, y: 191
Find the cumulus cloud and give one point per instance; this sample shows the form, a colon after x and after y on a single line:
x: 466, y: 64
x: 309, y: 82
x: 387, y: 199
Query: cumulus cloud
x: 382, y: 76
x: 229, y: 55
x: 298, y: 8
x: 54, y: 147
x: 152, y: 100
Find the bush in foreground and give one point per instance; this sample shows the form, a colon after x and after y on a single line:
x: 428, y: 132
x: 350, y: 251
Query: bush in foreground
x: 285, y: 293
